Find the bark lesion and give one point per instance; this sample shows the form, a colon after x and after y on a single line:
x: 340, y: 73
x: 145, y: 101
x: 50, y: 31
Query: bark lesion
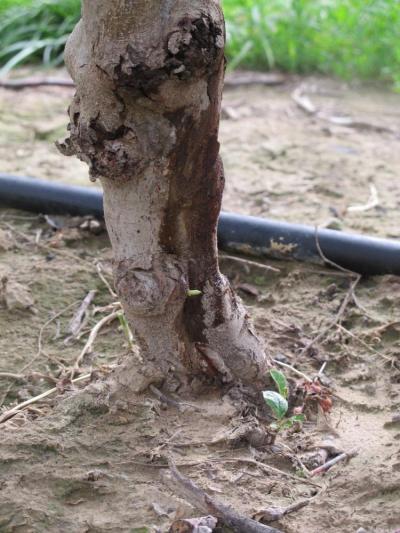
x: 195, y: 47
x: 114, y: 153
x: 191, y: 51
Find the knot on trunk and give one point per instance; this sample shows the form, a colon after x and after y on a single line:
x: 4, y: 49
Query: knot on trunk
x: 162, y: 289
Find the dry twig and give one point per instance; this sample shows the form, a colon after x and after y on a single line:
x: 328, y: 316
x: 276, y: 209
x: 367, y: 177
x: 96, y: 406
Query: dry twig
x: 77, y: 321
x: 269, y: 468
x: 303, y: 101
x: 18, y: 408
x: 325, y: 467
x: 82, y: 263
x: 373, y: 201
x: 40, y: 347
x: 329, y: 261
x: 41, y: 331
x: 30, y: 83
x: 337, y: 318
x: 294, y: 370
x: 306, y: 105
x: 360, y: 341
x: 249, y: 262
x: 237, y: 79
x: 104, y: 280
x: 10, y: 375
x: 233, y: 80
x: 273, y: 514
x: 92, y: 337
x: 201, y: 500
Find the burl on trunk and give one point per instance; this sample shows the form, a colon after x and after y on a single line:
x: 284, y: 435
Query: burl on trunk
x: 145, y: 116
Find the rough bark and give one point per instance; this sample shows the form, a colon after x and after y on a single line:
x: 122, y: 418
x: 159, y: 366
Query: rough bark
x: 145, y: 117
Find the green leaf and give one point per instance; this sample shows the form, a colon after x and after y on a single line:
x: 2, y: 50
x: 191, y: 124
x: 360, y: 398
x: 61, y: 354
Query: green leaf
x: 276, y: 402
x: 281, y: 382
x: 127, y: 330
x: 290, y: 422
x: 298, y: 418
x: 286, y: 424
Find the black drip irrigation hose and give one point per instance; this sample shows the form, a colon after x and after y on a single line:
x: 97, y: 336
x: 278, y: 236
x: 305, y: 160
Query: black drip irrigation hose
x: 236, y: 233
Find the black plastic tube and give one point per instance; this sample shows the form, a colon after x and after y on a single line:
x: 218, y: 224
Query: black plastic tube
x: 236, y: 233
x: 272, y: 238
x: 49, y: 197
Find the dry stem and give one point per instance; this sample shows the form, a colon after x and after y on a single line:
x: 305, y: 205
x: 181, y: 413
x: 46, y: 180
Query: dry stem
x: 329, y: 464
x: 249, y: 262
x: 92, y: 337
x: 294, y: 370
x: 18, y: 408
x: 77, y: 321
x: 336, y: 320
x: 200, y: 499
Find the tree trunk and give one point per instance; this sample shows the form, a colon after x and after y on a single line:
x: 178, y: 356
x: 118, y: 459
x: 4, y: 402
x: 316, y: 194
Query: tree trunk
x: 145, y: 117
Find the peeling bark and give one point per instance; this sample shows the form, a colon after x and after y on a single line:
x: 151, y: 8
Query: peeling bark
x: 145, y: 117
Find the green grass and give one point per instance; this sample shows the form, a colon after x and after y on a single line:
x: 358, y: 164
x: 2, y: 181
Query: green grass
x: 6, y: 4
x: 35, y: 30
x: 344, y: 38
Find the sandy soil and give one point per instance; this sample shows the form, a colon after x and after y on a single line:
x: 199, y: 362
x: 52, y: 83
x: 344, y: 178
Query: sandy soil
x: 79, y: 466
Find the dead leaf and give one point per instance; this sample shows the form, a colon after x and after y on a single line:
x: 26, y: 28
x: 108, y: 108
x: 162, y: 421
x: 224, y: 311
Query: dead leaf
x: 77, y: 502
x: 92, y: 226
x: 273, y: 514
x: 6, y: 242
x: 206, y: 524
x: 183, y: 509
x: 230, y: 113
x: 213, y: 488
x: 320, y: 393
x: 159, y: 510
x: 14, y: 295
x: 65, y: 236
x: 248, y: 289
x: 64, y: 384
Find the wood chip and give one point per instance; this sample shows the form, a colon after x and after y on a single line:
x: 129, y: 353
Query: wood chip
x: 77, y: 320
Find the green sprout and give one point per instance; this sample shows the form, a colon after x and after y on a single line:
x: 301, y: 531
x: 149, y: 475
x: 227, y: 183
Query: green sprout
x: 278, y: 402
x: 127, y: 330
x: 193, y: 292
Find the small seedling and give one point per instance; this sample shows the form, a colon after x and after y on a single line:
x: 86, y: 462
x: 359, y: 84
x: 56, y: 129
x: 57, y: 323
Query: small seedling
x: 281, y: 382
x: 127, y: 330
x: 278, y: 402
